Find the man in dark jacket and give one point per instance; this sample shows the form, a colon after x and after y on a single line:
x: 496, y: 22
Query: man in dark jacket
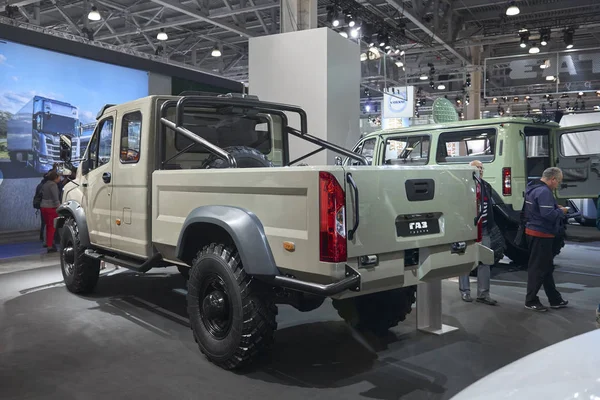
x: 483, y: 270
x: 544, y: 219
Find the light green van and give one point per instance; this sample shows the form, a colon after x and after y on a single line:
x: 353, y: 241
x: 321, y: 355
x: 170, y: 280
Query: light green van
x: 514, y: 151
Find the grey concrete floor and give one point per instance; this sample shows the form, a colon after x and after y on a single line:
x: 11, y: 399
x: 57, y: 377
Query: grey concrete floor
x: 131, y: 340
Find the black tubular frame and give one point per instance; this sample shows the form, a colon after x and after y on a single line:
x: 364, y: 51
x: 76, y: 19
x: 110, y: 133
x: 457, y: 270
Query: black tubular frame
x: 245, y: 103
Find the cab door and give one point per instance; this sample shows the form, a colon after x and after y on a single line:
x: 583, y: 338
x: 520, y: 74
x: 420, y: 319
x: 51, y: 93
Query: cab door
x: 97, y: 181
x: 577, y: 154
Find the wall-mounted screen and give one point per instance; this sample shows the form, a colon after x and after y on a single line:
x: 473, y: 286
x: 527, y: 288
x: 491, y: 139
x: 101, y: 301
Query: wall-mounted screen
x: 44, y: 94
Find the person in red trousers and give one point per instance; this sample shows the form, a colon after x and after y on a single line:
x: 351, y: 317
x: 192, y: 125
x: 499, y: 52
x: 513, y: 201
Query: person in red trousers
x: 48, y: 206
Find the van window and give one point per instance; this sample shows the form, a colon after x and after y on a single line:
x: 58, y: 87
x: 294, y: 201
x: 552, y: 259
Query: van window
x: 582, y: 143
x: 365, y: 149
x: 464, y: 147
x: 407, y: 150
x: 537, y: 145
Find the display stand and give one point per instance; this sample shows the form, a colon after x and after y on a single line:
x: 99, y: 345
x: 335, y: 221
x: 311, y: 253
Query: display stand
x: 429, y: 309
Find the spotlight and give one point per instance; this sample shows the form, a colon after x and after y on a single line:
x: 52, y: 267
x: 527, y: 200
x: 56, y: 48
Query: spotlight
x: 94, y: 15
x: 524, y: 39
x: 344, y: 34
x: 550, y: 78
x: 399, y: 63
x: 534, y: 49
x: 568, y: 38
x: 512, y: 9
x: 350, y: 21
x: 381, y: 38
x: 162, y: 35
x: 423, y: 77
x: 402, y: 53
x: 544, y: 36
x: 468, y: 80
x: 441, y: 86
x: 354, y: 33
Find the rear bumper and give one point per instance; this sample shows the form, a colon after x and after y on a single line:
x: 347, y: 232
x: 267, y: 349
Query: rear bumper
x: 435, y: 263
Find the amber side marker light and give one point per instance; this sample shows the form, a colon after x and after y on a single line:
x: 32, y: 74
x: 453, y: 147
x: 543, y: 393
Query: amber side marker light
x: 289, y: 246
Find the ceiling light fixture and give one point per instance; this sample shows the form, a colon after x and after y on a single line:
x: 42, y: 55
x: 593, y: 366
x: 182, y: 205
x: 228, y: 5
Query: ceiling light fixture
x: 399, y: 63
x: 512, y: 9
x: 441, y: 86
x: 344, y: 34
x: 423, y: 77
x: 94, y: 15
x: 534, y: 49
x: 550, y: 78
x: 354, y: 33
x: 216, y: 52
x: 162, y: 35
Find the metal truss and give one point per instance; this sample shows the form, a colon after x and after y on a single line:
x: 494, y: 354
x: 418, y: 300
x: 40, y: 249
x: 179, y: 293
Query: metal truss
x: 103, y: 45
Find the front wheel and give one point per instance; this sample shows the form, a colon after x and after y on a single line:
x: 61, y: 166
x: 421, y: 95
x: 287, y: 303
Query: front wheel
x: 80, y: 272
x: 233, y: 322
x: 377, y: 312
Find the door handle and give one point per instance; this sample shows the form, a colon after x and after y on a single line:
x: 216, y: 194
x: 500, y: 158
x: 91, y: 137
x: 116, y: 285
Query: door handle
x: 106, y: 177
x: 352, y: 183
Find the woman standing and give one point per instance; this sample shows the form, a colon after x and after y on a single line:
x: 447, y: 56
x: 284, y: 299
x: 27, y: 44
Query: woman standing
x: 50, y: 202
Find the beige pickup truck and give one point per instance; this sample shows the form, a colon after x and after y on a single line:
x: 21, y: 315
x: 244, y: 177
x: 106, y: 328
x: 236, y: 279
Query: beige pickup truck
x: 206, y: 184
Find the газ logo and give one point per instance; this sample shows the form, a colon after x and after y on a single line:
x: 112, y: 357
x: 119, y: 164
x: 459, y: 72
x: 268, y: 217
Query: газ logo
x: 418, y: 225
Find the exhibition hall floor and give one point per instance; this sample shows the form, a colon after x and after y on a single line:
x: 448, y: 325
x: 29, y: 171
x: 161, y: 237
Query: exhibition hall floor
x: 131, y: 340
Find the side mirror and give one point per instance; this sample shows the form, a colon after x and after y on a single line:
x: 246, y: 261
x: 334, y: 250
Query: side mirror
x: 65, y: 148
x: 338, y: 160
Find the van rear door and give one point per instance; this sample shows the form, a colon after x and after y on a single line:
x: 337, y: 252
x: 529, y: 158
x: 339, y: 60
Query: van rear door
x: 577, y: 150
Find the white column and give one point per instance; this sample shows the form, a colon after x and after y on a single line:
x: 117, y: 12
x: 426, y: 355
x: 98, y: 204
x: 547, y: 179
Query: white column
x: 315, y: 69
x: 298, y: 15
x: 473, y: 110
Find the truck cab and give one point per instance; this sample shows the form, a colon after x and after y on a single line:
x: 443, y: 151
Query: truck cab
x: 33, y: 134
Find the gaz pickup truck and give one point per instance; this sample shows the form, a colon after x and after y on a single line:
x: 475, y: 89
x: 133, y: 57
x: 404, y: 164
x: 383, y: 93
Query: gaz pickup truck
x: 206, y: 183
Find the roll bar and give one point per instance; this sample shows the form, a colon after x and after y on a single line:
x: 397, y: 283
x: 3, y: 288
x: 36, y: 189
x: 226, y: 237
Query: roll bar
x: 250, y: 102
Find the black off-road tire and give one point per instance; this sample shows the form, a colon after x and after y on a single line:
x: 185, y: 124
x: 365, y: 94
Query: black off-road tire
x: 184, y: 271
x: 377, y: 312
x: 251, y: 314
x: 246, y: 157
x: 80, y: 272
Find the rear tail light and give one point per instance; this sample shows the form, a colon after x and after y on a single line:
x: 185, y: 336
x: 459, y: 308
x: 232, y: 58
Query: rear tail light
x: 332, y: 216
x: 506, y: 182
x: 479, y: 210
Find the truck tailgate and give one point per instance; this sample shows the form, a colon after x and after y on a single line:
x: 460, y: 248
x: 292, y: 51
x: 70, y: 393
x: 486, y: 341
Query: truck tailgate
x: 402, y: 208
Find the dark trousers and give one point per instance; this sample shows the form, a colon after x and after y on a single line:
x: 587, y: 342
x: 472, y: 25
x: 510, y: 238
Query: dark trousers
x: 540, y: 271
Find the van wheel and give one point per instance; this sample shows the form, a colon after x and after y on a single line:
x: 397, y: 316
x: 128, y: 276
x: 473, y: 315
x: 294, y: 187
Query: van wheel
x: 233, y: 322
x: 80, y: 272
x: 377, y: 312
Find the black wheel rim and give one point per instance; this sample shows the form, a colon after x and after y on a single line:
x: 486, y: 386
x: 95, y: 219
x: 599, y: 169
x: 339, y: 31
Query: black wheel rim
x: 215, y: 306
x: 67, y: 256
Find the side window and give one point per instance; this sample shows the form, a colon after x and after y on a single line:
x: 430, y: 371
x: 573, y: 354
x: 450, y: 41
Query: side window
x: 407, y: 150
x: 584, y: 143
x: 464, y: 147
x: 365, y: 149
x: 100, y: 145
x: 131, y: 128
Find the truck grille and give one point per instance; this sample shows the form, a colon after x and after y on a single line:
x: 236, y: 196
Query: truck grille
x: 53, y: 149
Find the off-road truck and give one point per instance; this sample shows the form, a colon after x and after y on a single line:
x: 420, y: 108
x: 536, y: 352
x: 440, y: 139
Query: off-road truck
x: 207, y: 183
x: 514, y: 152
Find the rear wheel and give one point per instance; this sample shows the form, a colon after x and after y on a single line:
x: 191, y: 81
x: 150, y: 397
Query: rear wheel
x: 233, y: 322
x: 80, y: 272
x: 377, y: 312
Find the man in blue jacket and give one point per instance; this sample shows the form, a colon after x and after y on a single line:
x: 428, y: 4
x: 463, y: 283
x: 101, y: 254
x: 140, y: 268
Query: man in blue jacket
x: 544, y: 219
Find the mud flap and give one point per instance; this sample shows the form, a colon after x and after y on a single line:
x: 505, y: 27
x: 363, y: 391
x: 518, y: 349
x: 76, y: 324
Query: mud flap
x: 485, y: 255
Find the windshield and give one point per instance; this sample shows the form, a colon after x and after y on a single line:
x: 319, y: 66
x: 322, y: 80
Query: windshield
x: 58, y: 124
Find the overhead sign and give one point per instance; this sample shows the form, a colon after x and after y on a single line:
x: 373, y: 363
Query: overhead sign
x: 543, y: 73
x: 399, y: 102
